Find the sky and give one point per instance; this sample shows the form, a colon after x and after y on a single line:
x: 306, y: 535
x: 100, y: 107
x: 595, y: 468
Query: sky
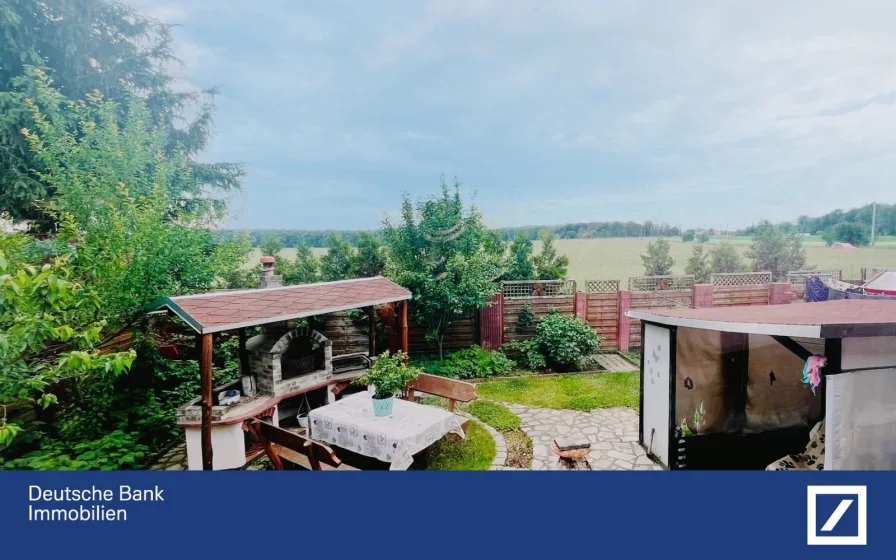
x: 699, y: 114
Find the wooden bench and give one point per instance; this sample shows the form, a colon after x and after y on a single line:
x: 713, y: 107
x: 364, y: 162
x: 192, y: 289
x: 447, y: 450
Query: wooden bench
x: 283, y: 444
x: 450, y: 389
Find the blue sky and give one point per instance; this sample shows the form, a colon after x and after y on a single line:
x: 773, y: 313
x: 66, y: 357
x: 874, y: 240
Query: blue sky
x: 695, y: 114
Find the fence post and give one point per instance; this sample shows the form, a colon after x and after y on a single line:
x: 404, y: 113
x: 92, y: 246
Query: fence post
x: 780, y: 292
x: 623, y: 322
x: 491, y: 323
x: 581, y: 306
x: 701, y: 296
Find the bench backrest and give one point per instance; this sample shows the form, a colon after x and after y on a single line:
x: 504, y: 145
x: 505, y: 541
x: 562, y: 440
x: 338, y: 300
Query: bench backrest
x: 450, y: 389
x: 278, y: 443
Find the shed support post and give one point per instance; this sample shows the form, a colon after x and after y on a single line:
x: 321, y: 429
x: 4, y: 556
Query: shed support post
x: 403, y: 322
x: 205, y: 375
x: 244, y: 354
x: 371, y: 340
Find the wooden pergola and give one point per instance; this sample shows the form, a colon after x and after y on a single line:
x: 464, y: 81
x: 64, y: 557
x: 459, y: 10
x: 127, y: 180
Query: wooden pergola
x: 229, y: 311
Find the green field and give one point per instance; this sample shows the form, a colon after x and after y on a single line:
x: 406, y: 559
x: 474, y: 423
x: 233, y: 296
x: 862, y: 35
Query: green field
x: 619, y: 258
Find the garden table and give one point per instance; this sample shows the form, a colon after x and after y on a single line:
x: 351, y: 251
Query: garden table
x: 349, y: 423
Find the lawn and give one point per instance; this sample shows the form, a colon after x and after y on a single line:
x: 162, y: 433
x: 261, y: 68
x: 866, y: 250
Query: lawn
x: 474, y: 453
x: 576, y: 392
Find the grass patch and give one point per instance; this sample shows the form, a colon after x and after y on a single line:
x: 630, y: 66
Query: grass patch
x: 576, y: 392
x: 474, y: 453
x: 497, y: 416
x: 633, y: 357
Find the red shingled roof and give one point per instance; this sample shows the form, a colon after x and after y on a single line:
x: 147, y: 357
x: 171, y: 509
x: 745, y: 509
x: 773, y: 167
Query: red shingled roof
x: 826, y: 319
x: 222, y: 311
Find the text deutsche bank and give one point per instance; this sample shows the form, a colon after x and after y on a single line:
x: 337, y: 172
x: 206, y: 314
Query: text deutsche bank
x: 87, y: 504
x: 837, y: 515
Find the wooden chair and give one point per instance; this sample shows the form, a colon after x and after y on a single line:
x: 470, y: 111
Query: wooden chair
x: 450, y: 389
x: 283, y: 444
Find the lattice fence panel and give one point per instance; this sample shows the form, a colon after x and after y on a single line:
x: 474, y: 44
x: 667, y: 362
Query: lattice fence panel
x: 602, y: 286
x: 740, y: 278
x: 799, y: 276
x: 538, y: 288
x: 660, y: 283
x: 869, y: 272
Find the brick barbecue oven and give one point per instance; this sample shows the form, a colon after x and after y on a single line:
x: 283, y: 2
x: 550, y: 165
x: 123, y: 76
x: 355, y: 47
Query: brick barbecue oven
x: 284, y: 362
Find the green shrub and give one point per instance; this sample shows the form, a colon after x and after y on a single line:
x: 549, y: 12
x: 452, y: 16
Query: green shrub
x: 497, y: 416
x: 114, y: 451
x: 561, y: 343
x: 471, y: 363
x: 527, y: 354
x: 526, y: 319
x: 389, y: 375
x: 566, y: 342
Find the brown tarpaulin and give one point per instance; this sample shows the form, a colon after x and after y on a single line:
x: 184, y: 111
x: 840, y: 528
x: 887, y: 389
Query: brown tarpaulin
x: 742, y: 399
x: 776, y: 395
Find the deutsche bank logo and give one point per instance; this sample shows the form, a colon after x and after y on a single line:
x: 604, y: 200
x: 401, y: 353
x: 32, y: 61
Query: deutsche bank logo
x: 837, y: 515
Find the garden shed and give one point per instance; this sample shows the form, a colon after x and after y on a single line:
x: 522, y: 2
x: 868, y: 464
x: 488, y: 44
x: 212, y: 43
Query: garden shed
x: 285, y: 361
x: 798, y: 386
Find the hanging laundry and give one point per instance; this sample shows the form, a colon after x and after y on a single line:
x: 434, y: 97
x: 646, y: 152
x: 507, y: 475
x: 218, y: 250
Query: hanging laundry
x: 816, y: 289
x: 812, y: 371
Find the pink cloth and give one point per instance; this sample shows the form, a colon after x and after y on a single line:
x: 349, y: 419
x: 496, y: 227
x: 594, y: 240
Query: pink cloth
x: 812, y: 371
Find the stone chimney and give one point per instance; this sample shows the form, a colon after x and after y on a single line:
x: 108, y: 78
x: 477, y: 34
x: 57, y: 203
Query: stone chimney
x: 268, y: 279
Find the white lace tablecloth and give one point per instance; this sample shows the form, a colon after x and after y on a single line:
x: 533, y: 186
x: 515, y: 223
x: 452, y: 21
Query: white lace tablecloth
x: 349, y: 423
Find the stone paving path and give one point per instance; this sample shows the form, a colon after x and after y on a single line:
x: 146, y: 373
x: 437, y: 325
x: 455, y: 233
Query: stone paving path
x: 613, y: 433
x: 615, y: 362
x: 174, y: 460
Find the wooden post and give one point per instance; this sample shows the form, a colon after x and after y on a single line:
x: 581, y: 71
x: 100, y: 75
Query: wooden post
x: 403, y: 322
x: 244, y: 354
x: 371, y: 341
x: 205, y: 375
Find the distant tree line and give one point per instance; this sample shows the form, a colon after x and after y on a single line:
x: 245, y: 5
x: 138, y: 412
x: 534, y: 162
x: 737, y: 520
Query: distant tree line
x: 849, y: 226
x: 590, y: 230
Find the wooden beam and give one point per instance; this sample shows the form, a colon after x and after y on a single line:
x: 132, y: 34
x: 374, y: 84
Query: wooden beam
x: 244, y: 354
x: 403, y: 322
x: 371, y: 341
x: 793, y: 346
x: 205, y: 375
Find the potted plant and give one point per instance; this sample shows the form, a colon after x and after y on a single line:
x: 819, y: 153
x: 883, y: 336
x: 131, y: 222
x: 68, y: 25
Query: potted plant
x: 389, y: 377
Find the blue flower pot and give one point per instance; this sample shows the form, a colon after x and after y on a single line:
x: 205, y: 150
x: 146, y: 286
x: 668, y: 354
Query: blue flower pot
x: 382, y: 407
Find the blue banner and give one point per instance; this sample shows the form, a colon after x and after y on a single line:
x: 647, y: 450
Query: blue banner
x: 422, y: 514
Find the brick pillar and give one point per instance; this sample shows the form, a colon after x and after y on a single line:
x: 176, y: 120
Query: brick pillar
x: 623, y: 322
x: 581, y: 307
x: 701, y: 296
x: 780, y: 292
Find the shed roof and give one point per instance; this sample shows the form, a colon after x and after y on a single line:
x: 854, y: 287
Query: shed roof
x: 825, y: 319
x: 223, y: 311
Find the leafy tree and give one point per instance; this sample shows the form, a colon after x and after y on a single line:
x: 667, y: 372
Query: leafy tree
x: 304, y: 270
x: 339, y: 262
x: 704, y: 237
x: 369, y: 259
x: 48, y: 332
x: 549, y: 265
x: 846, y: 232
x: 114, y: 188
x: 445, y: 256
x: 698, y: 264
x: 776, y: 251
x: 725, y: 258
x: 657, y: 261
x: 519, y: 265
x: 90, y: 48
x: 688, y: 235
x: 271, y: 245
